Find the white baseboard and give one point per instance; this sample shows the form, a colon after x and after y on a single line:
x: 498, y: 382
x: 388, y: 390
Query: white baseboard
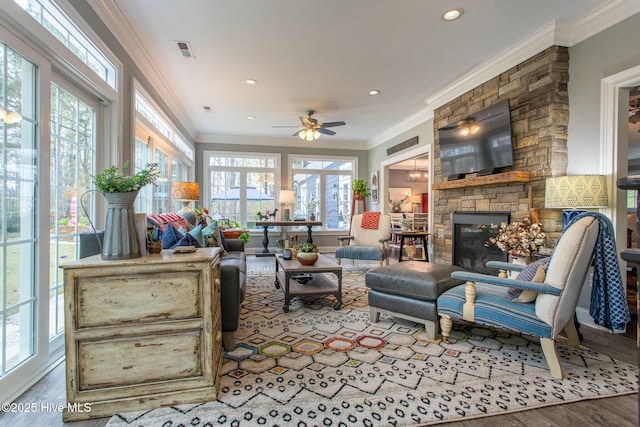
x: 586, y: 320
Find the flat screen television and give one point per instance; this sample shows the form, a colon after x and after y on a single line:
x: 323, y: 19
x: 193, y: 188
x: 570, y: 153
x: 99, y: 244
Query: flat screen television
x: 480, y: 143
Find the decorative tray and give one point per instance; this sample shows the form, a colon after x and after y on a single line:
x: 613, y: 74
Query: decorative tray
x: 184, y: 250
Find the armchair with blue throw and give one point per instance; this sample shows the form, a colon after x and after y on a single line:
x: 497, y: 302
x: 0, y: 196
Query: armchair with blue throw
x: 369, y: 239
x: 488, y: 300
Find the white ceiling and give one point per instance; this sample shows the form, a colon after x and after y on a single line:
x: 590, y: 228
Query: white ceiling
x: 321, y: 55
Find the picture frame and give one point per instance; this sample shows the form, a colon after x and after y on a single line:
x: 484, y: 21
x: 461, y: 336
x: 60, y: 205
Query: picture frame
x: 374, y: 187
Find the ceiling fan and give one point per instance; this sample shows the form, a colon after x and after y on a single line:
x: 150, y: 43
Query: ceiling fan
x: 311, y: 129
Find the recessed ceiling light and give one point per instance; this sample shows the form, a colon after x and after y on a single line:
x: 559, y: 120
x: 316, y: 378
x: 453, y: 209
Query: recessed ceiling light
x: 251, y: 117
x: 251, y: 81
x: 374, y: 92
x: 452, y: 15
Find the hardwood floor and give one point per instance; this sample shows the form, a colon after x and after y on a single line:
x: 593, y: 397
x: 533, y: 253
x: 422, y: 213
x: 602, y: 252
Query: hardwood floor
x: 617, y: 411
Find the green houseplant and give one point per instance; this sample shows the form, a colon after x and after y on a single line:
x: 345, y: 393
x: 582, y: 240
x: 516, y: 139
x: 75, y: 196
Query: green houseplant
x: 360, y: 186
x: 120, y: 233
x: 114, y: 180
x: 307, y: 253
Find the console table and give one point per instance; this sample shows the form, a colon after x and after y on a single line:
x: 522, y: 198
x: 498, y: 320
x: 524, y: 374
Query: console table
x: 267, y: 224
x: 142, y: 333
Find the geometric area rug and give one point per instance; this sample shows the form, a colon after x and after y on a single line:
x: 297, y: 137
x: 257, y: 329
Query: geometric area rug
x: 319, y: 366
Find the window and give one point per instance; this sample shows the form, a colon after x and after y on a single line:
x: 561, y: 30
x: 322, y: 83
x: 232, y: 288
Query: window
x: 18, y: 210
x: 73, y: 153
x: 239, y: 185
x: 158, y: 142
x: 56, y: 22
x: 322, y: 186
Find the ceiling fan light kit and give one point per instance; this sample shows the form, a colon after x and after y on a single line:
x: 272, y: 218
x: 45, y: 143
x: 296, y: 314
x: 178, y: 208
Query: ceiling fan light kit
x: 311, y: 129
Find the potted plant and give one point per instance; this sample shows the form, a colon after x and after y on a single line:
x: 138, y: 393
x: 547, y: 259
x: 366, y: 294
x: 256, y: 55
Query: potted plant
x: 307, y: 253
x: 114, y: 180
x: 405, y: 224
x: 360, y: 188
x: 120, y: 234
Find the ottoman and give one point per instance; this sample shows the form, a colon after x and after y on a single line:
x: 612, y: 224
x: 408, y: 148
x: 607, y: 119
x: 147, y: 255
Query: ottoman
x: 409, y: 290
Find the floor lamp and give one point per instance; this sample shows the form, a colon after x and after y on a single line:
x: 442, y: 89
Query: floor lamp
x: 574, y: 193
x: 186, y: 192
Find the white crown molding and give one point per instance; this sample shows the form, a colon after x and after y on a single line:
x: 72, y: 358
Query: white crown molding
x: 555, y: 33
x: 292, y: 142
x: 115, y: 20
x: 404, y: 126
x: 603, y: 17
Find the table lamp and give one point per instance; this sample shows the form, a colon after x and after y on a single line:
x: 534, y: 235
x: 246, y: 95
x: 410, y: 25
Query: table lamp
x: 415, y: 199
x: 186, y: 192
x: 573, y: 192
x: 286, y: 197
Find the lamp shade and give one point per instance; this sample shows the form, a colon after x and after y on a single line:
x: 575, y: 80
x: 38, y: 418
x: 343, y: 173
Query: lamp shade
x: 286, y: 196
x: 415, y: 198
x: 185, y: 191
x: 577, y: 191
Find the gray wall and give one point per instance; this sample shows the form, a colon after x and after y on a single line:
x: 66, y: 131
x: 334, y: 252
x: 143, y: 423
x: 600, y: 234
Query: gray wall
x: 605, y: 54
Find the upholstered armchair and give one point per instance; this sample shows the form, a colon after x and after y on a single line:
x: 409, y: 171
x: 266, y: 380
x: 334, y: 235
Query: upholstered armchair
x: 489, y: 300
x: 371, y: 244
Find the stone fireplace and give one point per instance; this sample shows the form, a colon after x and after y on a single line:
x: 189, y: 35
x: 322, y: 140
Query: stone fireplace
x: 471, y: 230
x: 539, y: 105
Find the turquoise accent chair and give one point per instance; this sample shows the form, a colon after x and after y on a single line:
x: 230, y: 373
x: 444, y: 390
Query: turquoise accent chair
x: 365, y: 243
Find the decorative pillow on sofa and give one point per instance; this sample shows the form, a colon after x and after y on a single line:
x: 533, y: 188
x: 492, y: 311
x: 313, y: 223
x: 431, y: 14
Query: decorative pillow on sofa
x: 187, y: 240
x: 212, y: 236
x: 170, y: 236
x: 197, y: 234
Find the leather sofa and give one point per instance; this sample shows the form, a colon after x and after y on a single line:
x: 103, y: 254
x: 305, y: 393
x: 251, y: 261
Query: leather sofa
x: 233, y: 269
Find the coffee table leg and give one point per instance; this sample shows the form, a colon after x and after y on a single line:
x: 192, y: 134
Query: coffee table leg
x: 338, y: 303
x: 287, y: 297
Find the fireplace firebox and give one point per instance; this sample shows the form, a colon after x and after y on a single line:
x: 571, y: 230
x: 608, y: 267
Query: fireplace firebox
x: 471, y: 230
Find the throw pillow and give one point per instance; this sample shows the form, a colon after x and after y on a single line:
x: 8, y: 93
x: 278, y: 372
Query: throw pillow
x: 212, y: 236
x: 170, y: 236
x: 528, y: 295
x: 526, y: 275
x: 187, y: 240
x: 223, y: 240
x: 197, y: 234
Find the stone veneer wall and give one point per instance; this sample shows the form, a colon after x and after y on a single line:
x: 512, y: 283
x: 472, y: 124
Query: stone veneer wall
x: 539, y: 104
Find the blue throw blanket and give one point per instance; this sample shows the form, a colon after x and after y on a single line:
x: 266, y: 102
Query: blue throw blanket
x: 609, y: 307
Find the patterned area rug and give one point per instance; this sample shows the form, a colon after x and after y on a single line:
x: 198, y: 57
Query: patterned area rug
x: 318, y: 366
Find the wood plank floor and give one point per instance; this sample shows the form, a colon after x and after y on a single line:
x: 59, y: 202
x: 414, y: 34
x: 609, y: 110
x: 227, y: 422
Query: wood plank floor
x: 616, y: 411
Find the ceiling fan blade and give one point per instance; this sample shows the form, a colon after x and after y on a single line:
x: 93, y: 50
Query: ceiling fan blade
x: 326, y: 131
x: 298, y: 132
x: 332, y: 124
x: 285, y: 126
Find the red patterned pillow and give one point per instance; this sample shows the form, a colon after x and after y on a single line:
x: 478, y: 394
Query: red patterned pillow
x: 370, y: 220
x: 174, y: 219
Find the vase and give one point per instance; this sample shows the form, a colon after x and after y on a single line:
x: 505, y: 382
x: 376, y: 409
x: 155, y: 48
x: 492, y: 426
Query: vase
x: 307, y: 258
x: 120, y: 233
x: 517, y: 260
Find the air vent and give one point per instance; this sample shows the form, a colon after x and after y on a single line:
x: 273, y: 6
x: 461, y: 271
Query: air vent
x: 185, y: 49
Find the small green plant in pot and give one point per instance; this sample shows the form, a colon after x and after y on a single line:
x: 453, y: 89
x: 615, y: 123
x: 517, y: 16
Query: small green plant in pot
x: 361, y: 187
x: 307, y: 253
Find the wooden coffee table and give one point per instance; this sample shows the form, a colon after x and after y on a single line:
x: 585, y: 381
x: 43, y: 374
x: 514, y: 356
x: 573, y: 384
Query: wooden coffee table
x: 319, y: 284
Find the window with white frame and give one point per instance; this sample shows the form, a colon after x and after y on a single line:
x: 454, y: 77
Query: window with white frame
x: 322, y: 189
x: 158, y: 142
x: 56, y: 22
x: 241, y: 185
